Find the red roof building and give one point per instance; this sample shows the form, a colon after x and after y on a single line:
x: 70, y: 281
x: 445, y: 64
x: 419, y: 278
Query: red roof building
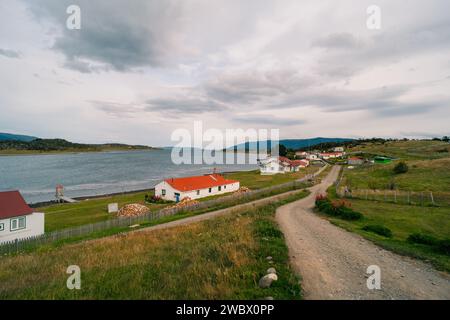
x: 12, y: 205
x: 199, y: 182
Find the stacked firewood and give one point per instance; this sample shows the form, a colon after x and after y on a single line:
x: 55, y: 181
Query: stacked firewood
x: 132, y: 210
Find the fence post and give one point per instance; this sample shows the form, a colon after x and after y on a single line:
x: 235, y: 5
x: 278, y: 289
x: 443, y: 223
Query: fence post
x: 432, y: 198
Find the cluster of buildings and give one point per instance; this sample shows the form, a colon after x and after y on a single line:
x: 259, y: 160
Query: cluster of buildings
x: 337, y: 152
x: 275, y: 165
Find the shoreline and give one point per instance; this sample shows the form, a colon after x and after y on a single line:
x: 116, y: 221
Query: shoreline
x: 46, y: 153
x: 106, y: 195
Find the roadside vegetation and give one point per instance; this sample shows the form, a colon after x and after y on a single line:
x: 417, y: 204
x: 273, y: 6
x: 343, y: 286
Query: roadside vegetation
x: 421, y: 231
x: 221, y: 258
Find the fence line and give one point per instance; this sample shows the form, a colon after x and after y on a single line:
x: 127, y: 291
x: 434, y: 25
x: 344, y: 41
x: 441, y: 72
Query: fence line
x: 421, y: 198
x: 121, y: 222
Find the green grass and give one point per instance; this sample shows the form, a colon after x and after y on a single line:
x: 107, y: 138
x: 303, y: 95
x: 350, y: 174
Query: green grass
x: 402, y: 220
x: 410, y: 150
x: 61, y: 216
x: 423, y: 175
x: 254, y: 180
x: 222, y: 258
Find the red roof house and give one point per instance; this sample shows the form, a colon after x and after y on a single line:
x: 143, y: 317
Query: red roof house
x: 195, y: 187
x: 12, y: 205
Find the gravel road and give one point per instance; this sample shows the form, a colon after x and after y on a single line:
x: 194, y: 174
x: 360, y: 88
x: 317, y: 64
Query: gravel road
x: 333, y: 262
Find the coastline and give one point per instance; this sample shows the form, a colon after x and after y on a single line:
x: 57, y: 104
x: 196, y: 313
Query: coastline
x: 105, y: 195
x: 38, y: 153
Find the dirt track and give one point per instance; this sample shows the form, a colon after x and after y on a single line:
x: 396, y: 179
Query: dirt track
x: 333, y: 262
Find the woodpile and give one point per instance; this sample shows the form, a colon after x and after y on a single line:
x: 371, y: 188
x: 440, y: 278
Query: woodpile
x: 185, y: 202
x: 132, y: 210
x: 243, y: 190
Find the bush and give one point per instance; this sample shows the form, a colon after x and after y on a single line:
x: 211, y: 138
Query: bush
x: 378, y: 229
x: 444, y: 246
x: 338, y: 208
x: 401, y: 167
x: 421, y: 238
x: 154, y: 199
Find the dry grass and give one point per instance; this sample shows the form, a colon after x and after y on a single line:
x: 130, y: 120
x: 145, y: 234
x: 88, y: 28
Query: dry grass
x: 221, y: 258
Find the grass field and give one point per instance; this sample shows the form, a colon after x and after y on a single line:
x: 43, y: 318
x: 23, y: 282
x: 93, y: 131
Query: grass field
x: 61, y: 216
x: 428, y: 171
x: 403, y: 220
x: 411, y: 150
x: 221, y: 258
x: 423, y: 175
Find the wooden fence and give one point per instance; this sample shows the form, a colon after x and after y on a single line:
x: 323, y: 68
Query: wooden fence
x: 124, y: 222
x: 420, y: 198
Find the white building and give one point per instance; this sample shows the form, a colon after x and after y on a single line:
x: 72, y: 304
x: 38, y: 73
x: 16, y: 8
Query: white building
x: 176, y: 189
x: 17, y: 219
x: 339, y: 149
x: 275, y: 165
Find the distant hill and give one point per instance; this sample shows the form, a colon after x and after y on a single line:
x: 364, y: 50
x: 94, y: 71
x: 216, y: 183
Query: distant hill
x: 60, y: 145
x: 15, y: 137
x: 294, y: 144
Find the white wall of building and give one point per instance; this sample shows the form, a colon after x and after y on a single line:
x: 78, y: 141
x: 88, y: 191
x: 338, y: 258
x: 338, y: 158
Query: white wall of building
x: 194, y: 194
x: 34, y: 226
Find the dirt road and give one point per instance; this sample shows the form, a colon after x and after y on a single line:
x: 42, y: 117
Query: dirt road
x: 333, y: 262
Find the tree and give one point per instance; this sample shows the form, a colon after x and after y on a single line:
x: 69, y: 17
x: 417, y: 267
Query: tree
x: 282, y: 150
x: 446, y: 139
x: 401, y: 167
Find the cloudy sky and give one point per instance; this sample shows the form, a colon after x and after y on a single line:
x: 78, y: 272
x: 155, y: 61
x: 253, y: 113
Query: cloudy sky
x: 138, y: 70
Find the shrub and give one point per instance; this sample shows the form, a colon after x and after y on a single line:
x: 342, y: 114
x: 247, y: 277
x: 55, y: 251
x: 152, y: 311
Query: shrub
x: 378, y: 229
x: 401, y: 167
x: 349, y: 214
x: 421, y: 238
x: 444, y: 246
x: 154, y: 199
x: 339, y: 208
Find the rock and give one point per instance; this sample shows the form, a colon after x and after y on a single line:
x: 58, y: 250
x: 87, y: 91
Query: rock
x: 266, y: 281
x: 272, y: 276
x: 271, y: 270
x: 268, y: 298
x: 269, y: 258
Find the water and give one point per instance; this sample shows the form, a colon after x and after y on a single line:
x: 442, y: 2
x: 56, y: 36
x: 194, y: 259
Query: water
x: 88, y: 174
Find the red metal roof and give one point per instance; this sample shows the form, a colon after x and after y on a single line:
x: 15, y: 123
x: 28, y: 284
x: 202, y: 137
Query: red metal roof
x: 12, y: 204
x: 199, y: 182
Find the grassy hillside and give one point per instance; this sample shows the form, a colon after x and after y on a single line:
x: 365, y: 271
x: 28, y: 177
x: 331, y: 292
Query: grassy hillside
x: 12, y: 147
x: 221, y: 258
x: 411, y: 150
x: 423, y: 175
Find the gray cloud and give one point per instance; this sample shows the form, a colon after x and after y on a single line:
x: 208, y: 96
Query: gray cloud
x: 343, y: 40
x: 268, y: 120
x: 118, y: 34
x: 9, y: 53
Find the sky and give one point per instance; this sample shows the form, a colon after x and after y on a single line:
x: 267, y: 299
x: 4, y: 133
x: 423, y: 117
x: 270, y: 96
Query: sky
x: 136, y: 71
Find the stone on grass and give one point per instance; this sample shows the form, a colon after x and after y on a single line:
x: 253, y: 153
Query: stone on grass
x: 271, y: 270
x: 267, y: 280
